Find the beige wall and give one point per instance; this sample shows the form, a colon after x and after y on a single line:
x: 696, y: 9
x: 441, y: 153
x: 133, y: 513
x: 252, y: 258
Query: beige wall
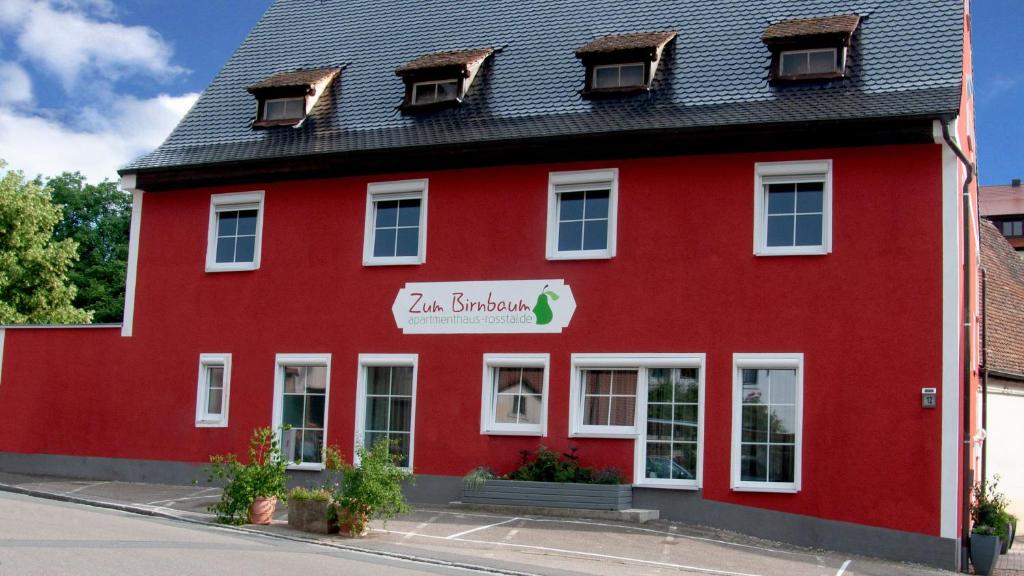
x: 1006, y: 440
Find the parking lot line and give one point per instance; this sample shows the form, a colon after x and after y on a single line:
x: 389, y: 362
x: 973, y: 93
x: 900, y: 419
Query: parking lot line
x: 843, y: 568
x: 421, y: 526
x: 479, y: 528
x: 580, y: 553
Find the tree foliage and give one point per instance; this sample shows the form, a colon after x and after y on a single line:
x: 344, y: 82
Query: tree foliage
x: 97, y: 217
x: 34, y: 287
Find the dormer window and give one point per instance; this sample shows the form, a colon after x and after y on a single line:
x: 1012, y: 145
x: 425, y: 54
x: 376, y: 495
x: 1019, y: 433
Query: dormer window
x: 440, y: 79
x: 608, y: 76
x: 810, y: 48
x: 435, y: 91
x: 622, y: 63
x: 286, y: 98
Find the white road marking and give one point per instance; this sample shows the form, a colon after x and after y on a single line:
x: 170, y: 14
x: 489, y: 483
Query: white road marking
x: 579, y: 553
x: 86, y: 487
x: 184, y: 498
x: 511, y: 534
x: 479, y: 528
x: 843, y: 568
x: 421, y: 526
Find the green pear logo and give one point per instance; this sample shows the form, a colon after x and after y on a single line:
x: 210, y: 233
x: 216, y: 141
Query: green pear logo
x: 542, y: 310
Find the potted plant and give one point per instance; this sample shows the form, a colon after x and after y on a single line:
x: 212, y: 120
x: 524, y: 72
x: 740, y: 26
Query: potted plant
x: 251, y: 489
x: 992, y: 524
x: 309, y: 510
x: 370, y: 491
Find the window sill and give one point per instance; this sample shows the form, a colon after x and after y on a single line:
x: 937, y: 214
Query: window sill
x: 307, y: 466
x: 582, y: 255
x: 803, y: 251
x: 523, y: 432
x: 690, y: 485
x: 211, y: 424
x: 625, y: 435
x: 403, y: 261
x: 776, y: 489
x: 246, y: 267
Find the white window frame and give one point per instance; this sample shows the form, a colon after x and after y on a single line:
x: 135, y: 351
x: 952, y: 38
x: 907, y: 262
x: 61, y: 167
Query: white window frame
x: 396, y: 190
x: 620, y: 66
x: 778, y: 172
x: 266, y: 108
x: 433, y: 83
x: 371, y: 360
x: 640, y: 478
x: 769, y: 361
x: 577, y: 181
x: 227, y: 203
x: 488, y: 426
x: 282, y: 360
x: 203, y: 418
x: 838, y: 61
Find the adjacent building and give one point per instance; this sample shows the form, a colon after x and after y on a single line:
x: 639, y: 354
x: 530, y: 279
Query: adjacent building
x: 695, y: 241
x: 1004, y: 206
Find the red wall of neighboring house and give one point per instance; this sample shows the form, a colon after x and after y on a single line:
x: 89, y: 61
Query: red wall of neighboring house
x: 867, y: 318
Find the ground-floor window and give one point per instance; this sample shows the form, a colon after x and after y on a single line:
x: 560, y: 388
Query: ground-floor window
x: 515, y: 389
x: 212, y: 390
x: 656, y: 399
x: 301, y: 392
x: 767, y: 422
x: 386, y: 407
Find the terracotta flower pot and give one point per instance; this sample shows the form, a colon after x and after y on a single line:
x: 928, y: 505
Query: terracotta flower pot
x: 262, y: 510
x: 353, y: 521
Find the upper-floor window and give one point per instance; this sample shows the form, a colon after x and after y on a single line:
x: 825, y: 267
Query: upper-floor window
x: 212, y: 393
x: 396, y: 223
x: 582, y: 213
x: 435, y: 91
x: 235, y: 229
x: 1011, y: 228
x: 622, y: 63
x: 810, y: 48
x: 793, y: 208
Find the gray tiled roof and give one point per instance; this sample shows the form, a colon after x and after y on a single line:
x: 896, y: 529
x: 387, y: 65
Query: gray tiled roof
x: 905, y: 61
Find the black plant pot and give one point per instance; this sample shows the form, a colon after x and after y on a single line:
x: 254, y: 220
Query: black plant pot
x: 984, y: 553
x: 1013, y: 532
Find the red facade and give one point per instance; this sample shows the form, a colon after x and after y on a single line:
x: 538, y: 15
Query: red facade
x: 867, y: 317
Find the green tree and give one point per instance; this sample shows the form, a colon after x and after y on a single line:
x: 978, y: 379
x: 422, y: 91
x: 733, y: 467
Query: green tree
x: 97, y: 217
x: 34, y: 288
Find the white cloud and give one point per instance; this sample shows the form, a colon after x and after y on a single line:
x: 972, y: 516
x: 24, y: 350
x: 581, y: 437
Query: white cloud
x: 68, y: 39
x: 39, y: 145
x: 15, y: 84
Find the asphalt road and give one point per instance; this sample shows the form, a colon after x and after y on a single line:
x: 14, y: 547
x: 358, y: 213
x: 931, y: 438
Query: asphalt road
x: 40, y: 537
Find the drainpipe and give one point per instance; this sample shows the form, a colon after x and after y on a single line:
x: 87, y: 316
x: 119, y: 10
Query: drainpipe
x: 965, y: 523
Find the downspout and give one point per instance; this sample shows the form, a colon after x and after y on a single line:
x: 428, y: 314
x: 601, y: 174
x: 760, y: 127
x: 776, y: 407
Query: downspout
x: 965, y: 522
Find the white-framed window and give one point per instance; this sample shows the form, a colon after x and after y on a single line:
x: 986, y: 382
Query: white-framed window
x: 795, y: 63
x: 284, y: 108
x: 396, y: 223
x: 582, y: 214
x: 302, y: 384
x: 767, y: 422
x: 386, y: 403
x: 515, y: 394
x: 610, y: 76
x: 213, y: 390
x: 435, y: 91
x: 656, y: 399
x: 235, y: 231
x: 793, y: 208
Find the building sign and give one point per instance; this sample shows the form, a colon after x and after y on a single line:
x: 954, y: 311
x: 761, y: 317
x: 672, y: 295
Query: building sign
x: 501, y: 307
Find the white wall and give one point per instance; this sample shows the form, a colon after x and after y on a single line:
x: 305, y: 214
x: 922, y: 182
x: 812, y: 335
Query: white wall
x: 1005, y: 442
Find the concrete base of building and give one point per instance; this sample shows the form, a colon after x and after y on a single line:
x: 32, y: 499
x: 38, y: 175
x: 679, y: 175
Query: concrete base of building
x: 682, y: 506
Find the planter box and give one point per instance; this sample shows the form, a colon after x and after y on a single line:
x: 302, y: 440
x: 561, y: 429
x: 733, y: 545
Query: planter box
x: 551, y: 495
x: 984, y: 553
x: 310, y: 516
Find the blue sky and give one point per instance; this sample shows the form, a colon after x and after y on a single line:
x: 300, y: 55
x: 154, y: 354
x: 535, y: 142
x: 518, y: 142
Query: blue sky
x: 90, y: 84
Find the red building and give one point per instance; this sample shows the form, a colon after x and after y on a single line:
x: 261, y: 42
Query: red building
x: 701, y: 251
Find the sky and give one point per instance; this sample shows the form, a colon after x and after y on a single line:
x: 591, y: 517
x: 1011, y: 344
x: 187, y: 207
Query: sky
x: 88, y: 85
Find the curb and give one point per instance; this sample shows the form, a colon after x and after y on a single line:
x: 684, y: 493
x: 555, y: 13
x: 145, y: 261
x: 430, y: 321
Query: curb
x: 138, y: 510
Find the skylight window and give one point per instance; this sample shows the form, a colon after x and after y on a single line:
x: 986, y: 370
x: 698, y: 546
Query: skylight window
x: 285, y: 98
x: 804, y: 62
x: 284, y: 108
x: 440, y: 79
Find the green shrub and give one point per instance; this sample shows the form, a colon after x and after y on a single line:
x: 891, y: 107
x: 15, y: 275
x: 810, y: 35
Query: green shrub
x: 303, y: 494
x: 545, y: 465
x: 988, y: 509
x: 374, y: 488
x: 262, y: 476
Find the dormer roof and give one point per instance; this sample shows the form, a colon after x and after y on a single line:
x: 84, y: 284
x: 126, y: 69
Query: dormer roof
x: 448, y: 59
x: 625, y: 42
x: 787, y: 30
x: 307, y: 79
